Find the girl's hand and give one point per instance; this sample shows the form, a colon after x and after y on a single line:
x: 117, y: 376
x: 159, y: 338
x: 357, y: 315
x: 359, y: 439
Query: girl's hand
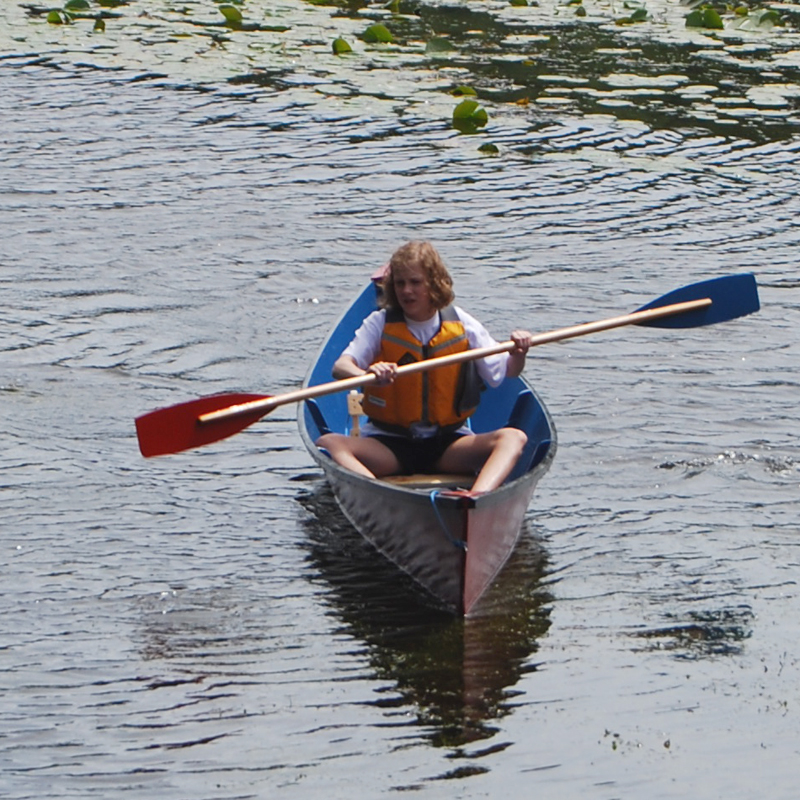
x: 522, y: 341
x: 384, y: 371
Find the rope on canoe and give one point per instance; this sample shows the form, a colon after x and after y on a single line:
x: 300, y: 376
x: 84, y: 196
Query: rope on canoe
x: 455, y: 542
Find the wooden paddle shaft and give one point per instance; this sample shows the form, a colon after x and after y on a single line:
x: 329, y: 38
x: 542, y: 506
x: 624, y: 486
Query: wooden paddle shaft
x: 267, y: 404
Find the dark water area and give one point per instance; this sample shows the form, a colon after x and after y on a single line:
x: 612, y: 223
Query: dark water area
x: 207, y: 625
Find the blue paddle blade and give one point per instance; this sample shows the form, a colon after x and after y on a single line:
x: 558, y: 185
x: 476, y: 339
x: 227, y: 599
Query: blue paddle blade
x: 731, y: 297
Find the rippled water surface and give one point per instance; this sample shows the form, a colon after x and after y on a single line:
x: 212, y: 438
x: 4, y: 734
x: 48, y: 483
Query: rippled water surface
x: 207, y: 625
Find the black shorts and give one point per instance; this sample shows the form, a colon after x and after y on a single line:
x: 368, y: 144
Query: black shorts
x: 418, y: 455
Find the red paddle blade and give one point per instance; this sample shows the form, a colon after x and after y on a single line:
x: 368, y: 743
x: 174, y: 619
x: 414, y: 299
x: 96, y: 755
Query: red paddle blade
x: 174, y: 429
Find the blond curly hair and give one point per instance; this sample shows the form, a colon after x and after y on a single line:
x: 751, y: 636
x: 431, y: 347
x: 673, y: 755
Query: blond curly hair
x: 437, y: 278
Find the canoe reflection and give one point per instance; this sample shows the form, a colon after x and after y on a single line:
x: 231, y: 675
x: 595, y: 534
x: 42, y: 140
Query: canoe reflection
x: 459, y: 674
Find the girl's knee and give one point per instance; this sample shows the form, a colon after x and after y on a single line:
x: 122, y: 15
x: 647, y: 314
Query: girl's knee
x: 328, y: 441
x: 513, y: 437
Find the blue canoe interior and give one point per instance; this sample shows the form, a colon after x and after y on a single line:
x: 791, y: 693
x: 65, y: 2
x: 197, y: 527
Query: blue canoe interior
x: 453, y: 548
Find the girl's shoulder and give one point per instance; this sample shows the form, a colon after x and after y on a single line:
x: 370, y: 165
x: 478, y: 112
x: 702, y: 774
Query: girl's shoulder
x: 375, y: 319
x: 372, y: 325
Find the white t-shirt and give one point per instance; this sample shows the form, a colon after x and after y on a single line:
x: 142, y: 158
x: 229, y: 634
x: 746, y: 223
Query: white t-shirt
x: 366, y: 346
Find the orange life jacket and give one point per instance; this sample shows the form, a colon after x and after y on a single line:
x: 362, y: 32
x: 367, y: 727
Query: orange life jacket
x: 444, y: 396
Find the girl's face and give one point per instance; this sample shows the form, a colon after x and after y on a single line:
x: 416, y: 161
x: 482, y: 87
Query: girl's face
x: 411, y: 289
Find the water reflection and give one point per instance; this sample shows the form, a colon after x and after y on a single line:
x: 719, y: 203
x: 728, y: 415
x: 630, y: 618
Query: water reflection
x: 458, y: 674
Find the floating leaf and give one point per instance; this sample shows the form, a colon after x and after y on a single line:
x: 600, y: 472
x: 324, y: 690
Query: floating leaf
x: 491, y: 149
x: 765, y: 18
x: 639, y: 14
x: 712, y: 19
x: 469, y: 115
x: 56, y: 17
x: 694, y: 19
x: 705, y: 17
x: 341, y: 46
x: 518, y: 2
x: 759, y: 19
x: 100, y: 25
x: 377, y: 34
x: 393, y: 6
x: 580, y: 11
x: 232, y: 14
x: 76, y: 5
x: 439, y: 45
x: 464, y: 91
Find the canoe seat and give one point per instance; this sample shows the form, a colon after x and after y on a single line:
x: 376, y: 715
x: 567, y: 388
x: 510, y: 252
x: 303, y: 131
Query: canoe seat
x: 434, y: 481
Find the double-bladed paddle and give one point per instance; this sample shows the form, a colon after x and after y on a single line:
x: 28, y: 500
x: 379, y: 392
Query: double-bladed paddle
x: 210, y: 419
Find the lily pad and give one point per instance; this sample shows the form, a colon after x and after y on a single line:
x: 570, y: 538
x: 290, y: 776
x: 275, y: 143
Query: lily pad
x: 232, y: 14
x: 759, y: 19
x: 439, y: 45
x: 378, y: 34
x: 705, y: 17
x: 56, y: 17
x: 464, y: 91
x: 469, y: 115
x: 340, y: 46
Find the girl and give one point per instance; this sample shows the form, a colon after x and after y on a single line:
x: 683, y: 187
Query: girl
x: 417, y: 423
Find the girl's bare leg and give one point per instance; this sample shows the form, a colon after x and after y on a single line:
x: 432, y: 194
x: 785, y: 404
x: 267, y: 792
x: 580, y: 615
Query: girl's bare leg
x: 493, y: 455
x: 363, y: 455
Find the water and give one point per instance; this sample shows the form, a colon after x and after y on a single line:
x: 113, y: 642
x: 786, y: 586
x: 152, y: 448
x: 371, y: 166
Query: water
x: 206, y: 625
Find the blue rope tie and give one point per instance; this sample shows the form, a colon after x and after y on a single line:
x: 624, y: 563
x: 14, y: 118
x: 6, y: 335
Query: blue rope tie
x: 455, y: 542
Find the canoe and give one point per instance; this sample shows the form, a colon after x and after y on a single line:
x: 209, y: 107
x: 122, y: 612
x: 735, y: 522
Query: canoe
x: 453, y: 545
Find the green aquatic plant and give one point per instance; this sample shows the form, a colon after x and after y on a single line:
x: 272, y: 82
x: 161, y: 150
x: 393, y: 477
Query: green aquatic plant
x: 232, y: 14
x: 469, y: 115
x: 81, y: 10
x: 758, y: 19
x: 717, y: 16
x: 340, y: 46
x: 638, y: 13
x: 58, y: 17
x: 378, y: 34
x: 439, y: 45
x: 705, y: 17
